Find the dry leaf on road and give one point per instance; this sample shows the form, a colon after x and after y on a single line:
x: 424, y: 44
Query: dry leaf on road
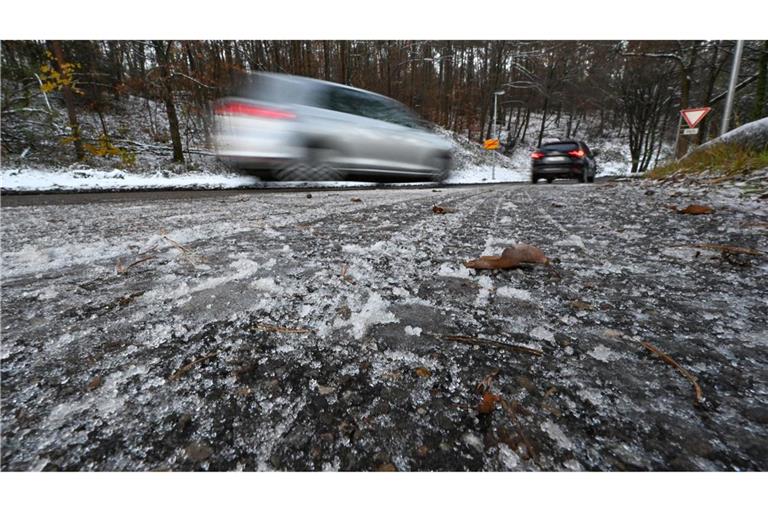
x: 511, y: 257
x: 696, y: 209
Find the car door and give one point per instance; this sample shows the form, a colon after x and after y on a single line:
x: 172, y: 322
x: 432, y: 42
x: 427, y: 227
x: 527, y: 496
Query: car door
x: 414, y: 143
x: 354, y: 119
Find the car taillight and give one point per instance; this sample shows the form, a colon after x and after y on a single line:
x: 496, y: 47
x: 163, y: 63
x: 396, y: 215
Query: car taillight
x: 537, y: 154
x: 233, y: 108
x: 578, y: 153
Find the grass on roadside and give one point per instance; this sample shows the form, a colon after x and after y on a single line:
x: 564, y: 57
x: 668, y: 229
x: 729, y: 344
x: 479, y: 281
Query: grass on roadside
x: 723, y: 159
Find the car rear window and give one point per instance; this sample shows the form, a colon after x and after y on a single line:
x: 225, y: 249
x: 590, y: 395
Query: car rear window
x: 273, y: 89
x: 565, y: 146
x: 372, y: 106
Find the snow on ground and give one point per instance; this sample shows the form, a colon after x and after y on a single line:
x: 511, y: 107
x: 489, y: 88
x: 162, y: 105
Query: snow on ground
x: 27, y: 180
x: 277, y: 331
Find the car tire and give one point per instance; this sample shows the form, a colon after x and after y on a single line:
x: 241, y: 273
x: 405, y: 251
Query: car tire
x: 550, y: 180
x: 534, y: 179
x: 316, y: 166
x: 443, y: 165
x: 590, y: 179
x: 583, y: 177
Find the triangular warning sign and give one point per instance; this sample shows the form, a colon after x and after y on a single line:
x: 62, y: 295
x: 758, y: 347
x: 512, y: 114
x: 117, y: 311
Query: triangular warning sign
x: 693, y: 116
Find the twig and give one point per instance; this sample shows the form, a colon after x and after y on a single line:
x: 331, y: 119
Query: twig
x: 184, y: 369
x: 188, y: 254
x: 277, y: 328
x: 469, y: 340
x: 344, y: 276
x: 142, y: 260
x: 674, y: 364
x: 513, y: 417
x: 177, y: 244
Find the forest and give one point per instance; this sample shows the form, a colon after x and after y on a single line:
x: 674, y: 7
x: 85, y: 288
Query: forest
x: 633, y: 89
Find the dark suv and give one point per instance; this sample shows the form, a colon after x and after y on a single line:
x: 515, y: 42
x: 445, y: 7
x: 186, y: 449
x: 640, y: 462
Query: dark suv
x: 570, y: 159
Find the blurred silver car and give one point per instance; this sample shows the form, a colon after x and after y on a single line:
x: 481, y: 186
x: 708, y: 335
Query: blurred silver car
x: 295, y: 128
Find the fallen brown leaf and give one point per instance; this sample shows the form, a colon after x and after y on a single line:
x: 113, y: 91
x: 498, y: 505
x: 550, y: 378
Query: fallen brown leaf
x: 696, y: 209
x: 511, y: 257
x: 93, y: 383
x: 423, y: 372
x: 442, y: 210
x: 357, y: 200
x: 488, y: 403
x: 581, y: 305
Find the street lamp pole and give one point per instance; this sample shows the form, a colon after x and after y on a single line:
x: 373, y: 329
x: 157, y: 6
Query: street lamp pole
x: 496, y: 127
x: 732, y: 87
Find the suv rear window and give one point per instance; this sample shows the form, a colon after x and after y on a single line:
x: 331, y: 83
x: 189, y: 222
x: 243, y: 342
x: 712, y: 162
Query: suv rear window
x: 566, y: 146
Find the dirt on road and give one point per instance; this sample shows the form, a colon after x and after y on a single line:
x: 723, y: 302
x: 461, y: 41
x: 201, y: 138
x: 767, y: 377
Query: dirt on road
x: 342, y: 331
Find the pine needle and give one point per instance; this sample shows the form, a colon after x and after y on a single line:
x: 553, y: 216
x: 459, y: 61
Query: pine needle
x: 470, y: 340
x: 674, y: 364
x: 184, y: 369
x: 277, y: 328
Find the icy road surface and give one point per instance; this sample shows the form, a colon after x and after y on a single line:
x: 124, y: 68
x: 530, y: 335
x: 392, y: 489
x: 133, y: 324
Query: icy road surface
x: 280, y: 332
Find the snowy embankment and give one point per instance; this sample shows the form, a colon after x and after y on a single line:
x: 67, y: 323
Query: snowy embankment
x: 48, y: 180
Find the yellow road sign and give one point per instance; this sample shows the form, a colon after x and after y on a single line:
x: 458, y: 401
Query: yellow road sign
x: 491, y: 144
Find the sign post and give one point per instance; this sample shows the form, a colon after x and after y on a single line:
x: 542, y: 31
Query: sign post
x: 692, y: 117
x: 491, y: 145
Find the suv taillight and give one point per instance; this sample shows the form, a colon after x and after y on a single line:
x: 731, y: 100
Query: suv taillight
x: 537, y: 154
x: 578, y: 153
x: 234, y: 108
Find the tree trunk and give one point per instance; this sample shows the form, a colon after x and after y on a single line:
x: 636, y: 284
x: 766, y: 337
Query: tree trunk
x: 161, y: 55
x: 69, y: 101
x: 758, y: 111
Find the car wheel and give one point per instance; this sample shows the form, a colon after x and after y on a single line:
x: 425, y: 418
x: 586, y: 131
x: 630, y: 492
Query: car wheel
x: 444, y: 169
x: 590, y: 179
x: 296, y: 171
x: 583, y: 177
x: 534, y: 179
x: 316, y: 166
x: 550, y: 180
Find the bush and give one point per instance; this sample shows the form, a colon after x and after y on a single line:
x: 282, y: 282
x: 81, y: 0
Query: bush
x: 724, y: 159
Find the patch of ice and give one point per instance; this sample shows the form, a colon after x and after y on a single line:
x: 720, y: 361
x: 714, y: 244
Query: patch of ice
x: 448, y: 270
x: 573, y: 465
x: 507, y: 457
x: 267, y: 284
x: 572, y: 241
x: 513, y: 293
x: 373, y: 312
x: 412, y: 331
x: 473, y: 441
x: 540, y: 333
x: 486, y: 284
x: 557, y: 435
x: 604, y: 354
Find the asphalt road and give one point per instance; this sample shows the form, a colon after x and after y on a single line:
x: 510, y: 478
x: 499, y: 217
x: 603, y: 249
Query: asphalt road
x: 257, y: 331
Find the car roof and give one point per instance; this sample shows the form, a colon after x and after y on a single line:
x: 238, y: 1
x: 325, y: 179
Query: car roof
x: 566, y: 141
x: 315, y: 81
